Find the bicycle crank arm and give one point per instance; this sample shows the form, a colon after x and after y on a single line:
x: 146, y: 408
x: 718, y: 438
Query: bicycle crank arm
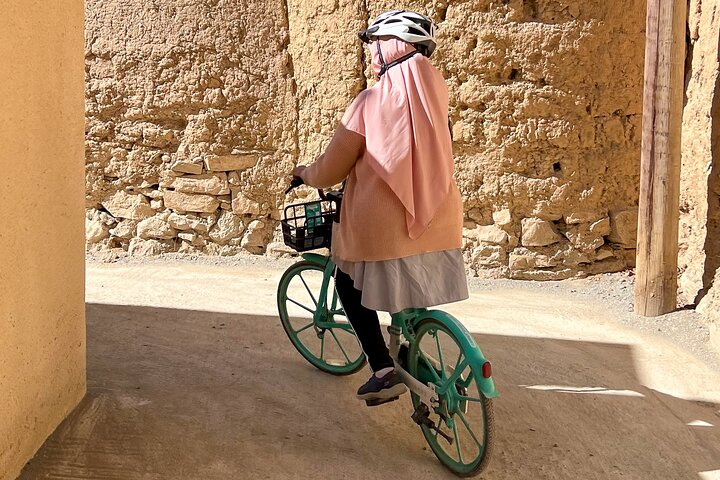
x: 422, y: 417
x: 447, y: 437
x: 426, y: 393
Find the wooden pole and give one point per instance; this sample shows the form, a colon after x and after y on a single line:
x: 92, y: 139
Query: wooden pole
x: 657, y: 242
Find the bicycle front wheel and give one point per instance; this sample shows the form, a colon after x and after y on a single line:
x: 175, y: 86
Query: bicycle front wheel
x: 317, y: 327
x: 464, y: 415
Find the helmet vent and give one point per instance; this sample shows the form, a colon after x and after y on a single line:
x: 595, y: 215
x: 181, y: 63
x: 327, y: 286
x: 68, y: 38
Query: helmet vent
x: 411, y: 27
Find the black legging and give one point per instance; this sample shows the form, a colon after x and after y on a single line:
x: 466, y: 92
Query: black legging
x: 364, y: 321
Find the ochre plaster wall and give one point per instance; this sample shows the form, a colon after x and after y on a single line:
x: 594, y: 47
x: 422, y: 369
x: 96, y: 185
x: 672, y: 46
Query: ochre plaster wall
x: 42, y: 311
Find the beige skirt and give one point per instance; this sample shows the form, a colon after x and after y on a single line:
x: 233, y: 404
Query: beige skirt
x: 418, y: 281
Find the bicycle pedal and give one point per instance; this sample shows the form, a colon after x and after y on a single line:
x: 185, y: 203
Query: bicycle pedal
x: 421, y: 416
x: 379, y: 401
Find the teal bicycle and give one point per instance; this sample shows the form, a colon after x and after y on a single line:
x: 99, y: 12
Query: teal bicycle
x: 449, y: 379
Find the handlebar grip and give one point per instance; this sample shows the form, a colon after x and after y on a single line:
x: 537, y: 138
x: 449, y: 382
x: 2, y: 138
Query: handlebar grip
x: 294, y: 183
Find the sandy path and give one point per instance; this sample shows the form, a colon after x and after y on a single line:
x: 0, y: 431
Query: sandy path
x: 190, y: 376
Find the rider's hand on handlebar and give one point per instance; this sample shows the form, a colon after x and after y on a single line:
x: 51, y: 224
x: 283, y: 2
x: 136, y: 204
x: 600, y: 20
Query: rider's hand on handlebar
x: 296, y: 181
x: 298, y: 171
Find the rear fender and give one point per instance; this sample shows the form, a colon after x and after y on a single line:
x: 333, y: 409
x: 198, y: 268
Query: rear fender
x: 468, y: 344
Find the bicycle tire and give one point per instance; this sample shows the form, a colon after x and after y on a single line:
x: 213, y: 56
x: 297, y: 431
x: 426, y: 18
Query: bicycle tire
x: 353, y: 361
x: 420, y: 368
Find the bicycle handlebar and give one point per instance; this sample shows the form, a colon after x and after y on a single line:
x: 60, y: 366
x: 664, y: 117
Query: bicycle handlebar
x: 294, y: 183
x: 297, y: 181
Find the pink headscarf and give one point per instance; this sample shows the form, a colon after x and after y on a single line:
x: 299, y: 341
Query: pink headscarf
x: 404, y: 121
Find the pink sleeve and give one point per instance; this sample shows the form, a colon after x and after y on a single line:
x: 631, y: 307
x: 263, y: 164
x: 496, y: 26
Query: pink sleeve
x: 354, y: 117
x: 339, y: 158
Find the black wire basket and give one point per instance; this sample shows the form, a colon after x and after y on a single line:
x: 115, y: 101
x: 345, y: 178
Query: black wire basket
x: 307, y: 226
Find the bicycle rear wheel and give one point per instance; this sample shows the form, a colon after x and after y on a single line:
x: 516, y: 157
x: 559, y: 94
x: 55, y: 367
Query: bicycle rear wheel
x: 326, y: 340
x: 465, y: 415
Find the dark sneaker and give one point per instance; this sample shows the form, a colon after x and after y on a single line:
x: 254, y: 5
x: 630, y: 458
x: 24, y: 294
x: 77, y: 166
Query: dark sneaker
x: 387, y: 387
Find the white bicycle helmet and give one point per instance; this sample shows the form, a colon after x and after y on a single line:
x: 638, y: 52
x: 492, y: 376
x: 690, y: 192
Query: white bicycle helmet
x: 408, y: 26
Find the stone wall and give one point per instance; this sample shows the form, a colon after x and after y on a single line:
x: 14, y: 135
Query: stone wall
x: 700, y: 175
x: 191, y: 123
x: 198, y: 111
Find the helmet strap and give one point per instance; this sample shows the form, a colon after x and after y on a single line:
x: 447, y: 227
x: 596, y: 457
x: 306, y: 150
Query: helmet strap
x: 384, y: 67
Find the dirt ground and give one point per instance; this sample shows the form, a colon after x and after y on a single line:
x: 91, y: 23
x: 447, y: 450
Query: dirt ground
x: 190, y: 376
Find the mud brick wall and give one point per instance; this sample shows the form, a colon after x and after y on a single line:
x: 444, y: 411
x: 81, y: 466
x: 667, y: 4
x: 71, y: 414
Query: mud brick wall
x: 197, y: 112
x: 699, y: 260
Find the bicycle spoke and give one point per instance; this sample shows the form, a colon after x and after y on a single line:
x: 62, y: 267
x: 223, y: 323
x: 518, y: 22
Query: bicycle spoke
x: 458, y: 371
x: 457, y: 442
x: 457, y: 362
x: 300, y: 305
x: 339, y: 345
x: 467, y: 426
x: 308, y: 289
x: 442, y: 362
x: 304, y: 328
x: 430, y: 365
x: 466, y: 382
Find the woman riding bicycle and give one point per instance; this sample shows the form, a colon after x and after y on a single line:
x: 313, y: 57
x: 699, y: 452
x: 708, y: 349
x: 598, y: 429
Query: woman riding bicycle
x: 398, y: 242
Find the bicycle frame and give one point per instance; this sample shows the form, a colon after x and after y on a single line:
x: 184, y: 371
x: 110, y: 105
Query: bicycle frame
x: 402, y: 325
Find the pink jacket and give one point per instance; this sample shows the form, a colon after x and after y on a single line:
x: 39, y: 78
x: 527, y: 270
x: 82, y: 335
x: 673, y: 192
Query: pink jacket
x: 394, y: 147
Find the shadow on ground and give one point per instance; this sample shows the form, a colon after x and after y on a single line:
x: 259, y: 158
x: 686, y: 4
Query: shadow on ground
x: 177, y: 394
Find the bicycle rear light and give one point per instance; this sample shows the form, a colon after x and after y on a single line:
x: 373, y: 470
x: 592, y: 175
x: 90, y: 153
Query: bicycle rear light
x: 487, y: 370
